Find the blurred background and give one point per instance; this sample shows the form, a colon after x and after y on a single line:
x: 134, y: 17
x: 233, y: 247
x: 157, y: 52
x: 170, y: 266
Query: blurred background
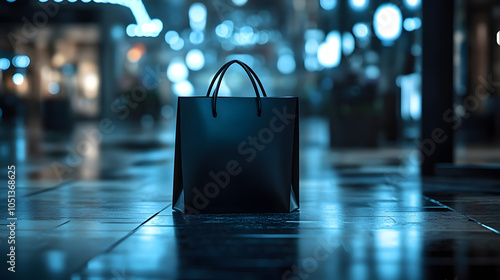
x: 355, y: 64
x: 88, y: 92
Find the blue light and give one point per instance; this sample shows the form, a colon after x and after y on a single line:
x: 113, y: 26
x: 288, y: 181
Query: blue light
x: 240, y: 2
x: 311, y: 63
x: 145, y: 27
x: 360, y: 30
x: 152, y: 28
x: 311, y: 46
x: 411, y: 24
x: 1, y: 113
x: 358, y: 5
x: 54, y: 88
x: 148, y: 29
x: 328, y: 4
x: 372, y: 72
x: 178, y: 45
x: 171, y: 37
x: 4, y: 63
x: 197, y: 16
x: 225, y: 29
x: 246, y: 31
x: 197, y: 12
x: 117, y: 32
x: 286, y: 64
x: 195, y: 60
x: 130, y: 30
x: 21, y: 61
x: 387, y: 23
x: 348, y: 43
x: 11, y: 1
x: 263, y: 38
x: 177, y: 71
x: 246, y: 36
x: 416, y: 50
x: 329, y: 52
x: 415, y: 106
x: 68, y: 69
x: 411, y: 107
x: 412, y: 3
x: 196, y: 37
x: 314, y: 34
x: 224, y: 89
x: 56, y: 261
x: 167, y: 111
x: 183, y: 88
x: 18, y: 79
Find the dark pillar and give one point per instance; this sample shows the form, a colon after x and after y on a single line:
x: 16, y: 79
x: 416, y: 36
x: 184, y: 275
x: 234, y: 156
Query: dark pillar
x: 437, y: 84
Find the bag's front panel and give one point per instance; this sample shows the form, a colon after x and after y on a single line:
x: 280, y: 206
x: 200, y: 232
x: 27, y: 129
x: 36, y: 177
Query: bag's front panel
x: 237, y: 161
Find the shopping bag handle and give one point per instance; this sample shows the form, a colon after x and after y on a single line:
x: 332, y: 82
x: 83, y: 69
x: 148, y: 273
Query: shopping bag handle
x: 247, y: 69
x: 220, y: 74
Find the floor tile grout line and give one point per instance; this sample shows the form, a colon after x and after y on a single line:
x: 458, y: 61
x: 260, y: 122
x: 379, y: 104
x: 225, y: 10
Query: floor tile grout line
x: 467, y: 216
x: 133, y: 231
x: 62, y: 224
x: 62, y: 184
x: 118, y: 242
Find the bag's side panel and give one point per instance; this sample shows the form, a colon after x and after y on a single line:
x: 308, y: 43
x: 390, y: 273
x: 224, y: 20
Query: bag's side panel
x: 296, y: 161
x: 178, y: 184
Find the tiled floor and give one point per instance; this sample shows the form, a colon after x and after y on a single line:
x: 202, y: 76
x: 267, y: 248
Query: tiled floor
x: 93, y: 206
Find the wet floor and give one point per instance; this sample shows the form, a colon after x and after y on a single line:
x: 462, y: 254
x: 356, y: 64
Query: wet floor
x: 96, y: 204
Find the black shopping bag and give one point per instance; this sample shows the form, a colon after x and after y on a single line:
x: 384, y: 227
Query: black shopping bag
x: 236, y: 154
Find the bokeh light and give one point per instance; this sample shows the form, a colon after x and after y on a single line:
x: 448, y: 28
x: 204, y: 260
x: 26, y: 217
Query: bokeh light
x: 348, y: 43
x: 328, y: 4
x: 197, y: 16
x: 286, y: 64
x: 21, y: 61
x: 387, y: 23
x: 195, y: 59
x: 18, y: 79
x: 329, y: 52
x: 4, y: 63
x: 412, y: 3
x: 360, y: 30
x: 358, y: 5
x: 239, y: 2
x: 183, y: 88
x: 54, y: 88
x: 177, y: 71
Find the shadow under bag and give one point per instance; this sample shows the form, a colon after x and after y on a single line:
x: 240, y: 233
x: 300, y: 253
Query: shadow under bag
x: 236, y: 154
